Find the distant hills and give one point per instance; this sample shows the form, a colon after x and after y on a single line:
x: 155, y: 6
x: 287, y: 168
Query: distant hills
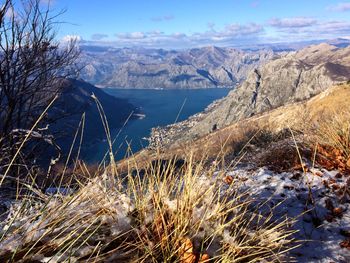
x: 206, y: 67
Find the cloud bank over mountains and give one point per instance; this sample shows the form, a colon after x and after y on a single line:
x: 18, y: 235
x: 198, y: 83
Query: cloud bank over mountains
x: 273, y: 30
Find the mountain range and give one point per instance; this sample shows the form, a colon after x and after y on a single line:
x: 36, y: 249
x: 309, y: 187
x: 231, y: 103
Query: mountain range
x: 295, y: 77
x: 206, y: 67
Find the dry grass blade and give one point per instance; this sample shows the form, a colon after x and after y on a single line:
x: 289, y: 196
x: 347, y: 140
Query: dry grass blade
x: 164, y: 213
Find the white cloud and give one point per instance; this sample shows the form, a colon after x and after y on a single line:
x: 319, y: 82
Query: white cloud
x: 315, y: 30
x: 155, y: 33
x: 243, y: 30
x: 132, y: 35
x: 230, y: 34
x: 69, y: 38
x: 294, y: 22
x: 334, y: 27
x: 179, y: 35
x: 278, y: 29
x: 340, y: 7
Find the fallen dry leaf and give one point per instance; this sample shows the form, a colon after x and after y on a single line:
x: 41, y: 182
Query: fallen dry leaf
x: 332, y: 181
x: 348, y: 182
x: 188, y: 258
x: 325, y: 183
x: 345, y: 244
x: 186, y: 246
x: 186, y: 254
x: 338, y: 211
x: 335, y: 187
x: 228, y: 179
x: 318, y: 173
x: 332, y: 158
x: 204, y: 258
x: 301, y: 167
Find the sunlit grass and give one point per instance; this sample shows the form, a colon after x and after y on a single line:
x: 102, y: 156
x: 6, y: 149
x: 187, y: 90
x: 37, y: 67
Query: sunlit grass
x: 162, y: 214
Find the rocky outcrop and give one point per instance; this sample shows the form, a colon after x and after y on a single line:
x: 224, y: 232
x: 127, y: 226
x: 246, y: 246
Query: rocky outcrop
x: 295, y: 77
x: 206, y: 67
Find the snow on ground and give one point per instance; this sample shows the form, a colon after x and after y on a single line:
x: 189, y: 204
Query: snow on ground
x: 318, y: 201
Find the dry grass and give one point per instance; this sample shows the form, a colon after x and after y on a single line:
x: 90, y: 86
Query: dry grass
x: 329, y: 135
x: 334, y: 131
x: 164, y: 214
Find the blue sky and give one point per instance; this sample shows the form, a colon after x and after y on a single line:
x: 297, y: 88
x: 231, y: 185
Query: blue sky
x: 188, y: 23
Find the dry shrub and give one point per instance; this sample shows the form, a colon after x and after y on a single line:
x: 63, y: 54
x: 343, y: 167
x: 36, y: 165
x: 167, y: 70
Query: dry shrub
x: 252, y: 137
x: 165, y: 214
x: 285, y: 155
x: 332, y: 158
x: 332, y: 137
x: 280, y: 157
x: 278, y: 151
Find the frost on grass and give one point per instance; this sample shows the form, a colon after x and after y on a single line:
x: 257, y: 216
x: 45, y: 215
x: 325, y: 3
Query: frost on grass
x: 168, y: 214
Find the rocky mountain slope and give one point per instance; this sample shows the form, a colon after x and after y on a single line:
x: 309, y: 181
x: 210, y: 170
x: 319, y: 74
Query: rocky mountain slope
x: 295, y: 77
x: 206, y: 67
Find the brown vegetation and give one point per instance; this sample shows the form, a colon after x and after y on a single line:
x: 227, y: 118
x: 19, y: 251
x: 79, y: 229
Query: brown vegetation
x: 166, y: 214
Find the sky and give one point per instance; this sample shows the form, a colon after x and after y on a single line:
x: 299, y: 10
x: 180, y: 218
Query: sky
x: 192, y: 23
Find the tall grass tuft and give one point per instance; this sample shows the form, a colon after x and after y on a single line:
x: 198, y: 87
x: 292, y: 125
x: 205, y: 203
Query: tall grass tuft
x: 332, y: 135
x: 336, y: 133
x: 164, y: 213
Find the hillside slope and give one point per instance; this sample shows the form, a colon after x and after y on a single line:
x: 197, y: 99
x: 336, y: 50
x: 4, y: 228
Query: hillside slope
x: 74, y: 100
x: 297, y: 116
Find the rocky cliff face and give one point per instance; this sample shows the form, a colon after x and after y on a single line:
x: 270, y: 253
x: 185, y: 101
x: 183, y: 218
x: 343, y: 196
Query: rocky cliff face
x: 294, y: 77
x: 156, y: 68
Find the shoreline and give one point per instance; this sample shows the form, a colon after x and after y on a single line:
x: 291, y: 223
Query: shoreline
x: 162, y: 136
